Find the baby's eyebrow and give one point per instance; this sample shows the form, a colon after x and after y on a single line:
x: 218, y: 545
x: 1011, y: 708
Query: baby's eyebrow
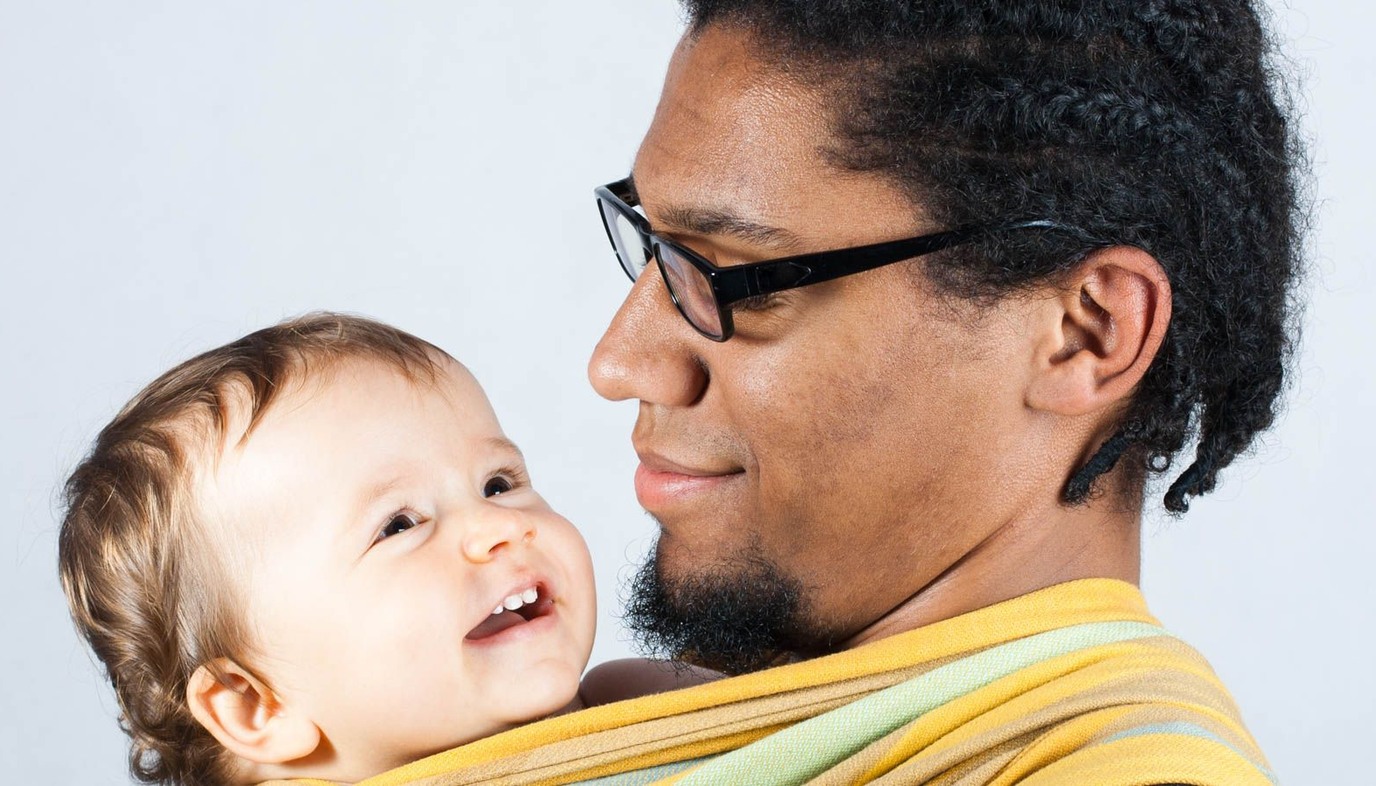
x: 380, y: 489
x: 504, y: 445
x: 394, y: 479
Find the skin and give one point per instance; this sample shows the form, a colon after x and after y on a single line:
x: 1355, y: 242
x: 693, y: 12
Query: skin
x: 865, y: 427
x: 385, y: 518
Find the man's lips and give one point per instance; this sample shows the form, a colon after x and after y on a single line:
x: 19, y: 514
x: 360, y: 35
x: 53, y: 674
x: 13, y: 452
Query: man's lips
x: 660, y: 482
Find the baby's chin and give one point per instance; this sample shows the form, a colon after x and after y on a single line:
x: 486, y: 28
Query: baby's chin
x: 519, y: 711
x: 544, y: 691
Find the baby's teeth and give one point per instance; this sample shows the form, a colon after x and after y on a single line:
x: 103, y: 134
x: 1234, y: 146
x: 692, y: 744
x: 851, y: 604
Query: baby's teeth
x: 513, y: 602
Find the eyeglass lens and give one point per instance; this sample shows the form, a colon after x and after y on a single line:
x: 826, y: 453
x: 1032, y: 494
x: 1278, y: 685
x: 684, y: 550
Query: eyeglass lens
x: 631, y: 247
x: 691, y: 290
x: 688, y: 286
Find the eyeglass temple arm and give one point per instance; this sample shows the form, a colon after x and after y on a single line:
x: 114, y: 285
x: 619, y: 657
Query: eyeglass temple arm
x: 763, y: 278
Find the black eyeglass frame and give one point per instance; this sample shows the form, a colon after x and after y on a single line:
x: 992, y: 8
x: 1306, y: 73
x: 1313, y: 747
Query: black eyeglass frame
x: 731, y: 285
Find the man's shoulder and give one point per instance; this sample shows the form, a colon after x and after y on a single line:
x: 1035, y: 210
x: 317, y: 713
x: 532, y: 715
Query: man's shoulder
x: 628, y: 678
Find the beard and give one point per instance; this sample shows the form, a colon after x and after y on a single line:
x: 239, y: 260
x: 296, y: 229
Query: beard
x: 734, y: 617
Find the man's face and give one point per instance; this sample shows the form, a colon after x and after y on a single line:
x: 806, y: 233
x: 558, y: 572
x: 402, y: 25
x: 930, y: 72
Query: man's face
x: 854, y: 435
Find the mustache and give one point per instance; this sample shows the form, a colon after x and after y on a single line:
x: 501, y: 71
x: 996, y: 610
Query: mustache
x: 656, y: 427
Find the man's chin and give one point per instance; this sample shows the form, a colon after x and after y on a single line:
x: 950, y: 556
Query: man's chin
x: 732, y: 615
x: 685, y: 548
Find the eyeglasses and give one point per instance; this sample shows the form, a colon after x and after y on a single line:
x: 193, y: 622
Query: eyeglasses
x: 705, y: 293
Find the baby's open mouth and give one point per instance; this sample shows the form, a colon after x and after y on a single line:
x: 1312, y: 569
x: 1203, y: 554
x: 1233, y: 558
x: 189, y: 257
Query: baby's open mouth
x: 516, y: 609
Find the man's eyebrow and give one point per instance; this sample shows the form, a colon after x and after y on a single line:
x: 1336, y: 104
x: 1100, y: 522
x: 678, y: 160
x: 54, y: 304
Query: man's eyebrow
x: 706, y: 221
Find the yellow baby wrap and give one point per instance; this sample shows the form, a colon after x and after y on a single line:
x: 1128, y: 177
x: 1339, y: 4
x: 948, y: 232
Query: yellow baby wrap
x: 1074, y: 684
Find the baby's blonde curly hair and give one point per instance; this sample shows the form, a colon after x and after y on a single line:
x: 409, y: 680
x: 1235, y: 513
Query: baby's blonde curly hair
x: 147, y: 589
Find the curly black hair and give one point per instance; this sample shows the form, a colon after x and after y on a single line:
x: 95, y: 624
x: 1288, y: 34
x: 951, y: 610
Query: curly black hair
x: 1161, y: 124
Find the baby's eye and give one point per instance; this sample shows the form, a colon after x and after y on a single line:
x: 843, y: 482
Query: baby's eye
x: 398, y: 524
x: 497, y: 486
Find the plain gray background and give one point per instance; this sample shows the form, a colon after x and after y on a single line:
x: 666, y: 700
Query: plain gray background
x: 173, y: 175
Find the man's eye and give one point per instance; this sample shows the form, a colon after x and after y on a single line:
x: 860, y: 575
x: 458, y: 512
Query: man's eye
x: 398, y: 524
x: 753, y: 303
x: 497, y: 486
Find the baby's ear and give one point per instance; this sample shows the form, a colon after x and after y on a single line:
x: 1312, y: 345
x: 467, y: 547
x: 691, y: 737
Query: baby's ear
x: 245, y: 716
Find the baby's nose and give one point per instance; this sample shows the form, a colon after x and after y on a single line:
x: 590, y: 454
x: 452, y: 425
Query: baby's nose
x: 495, y: 529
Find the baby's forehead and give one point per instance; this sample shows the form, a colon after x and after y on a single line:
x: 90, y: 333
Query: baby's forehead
x: 321, y: 387
x: 360, y: 415
x: 243, y: 409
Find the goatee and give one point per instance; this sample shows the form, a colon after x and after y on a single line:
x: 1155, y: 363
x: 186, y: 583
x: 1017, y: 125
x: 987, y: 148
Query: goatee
x: 734, y: 617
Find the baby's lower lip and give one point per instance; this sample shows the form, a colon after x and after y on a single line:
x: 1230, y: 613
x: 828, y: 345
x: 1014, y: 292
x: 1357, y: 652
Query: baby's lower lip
x: 500, y: 625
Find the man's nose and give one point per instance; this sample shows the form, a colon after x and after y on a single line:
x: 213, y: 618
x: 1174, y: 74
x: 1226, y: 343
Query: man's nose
x: 495, y: 529
x: 647, y: 352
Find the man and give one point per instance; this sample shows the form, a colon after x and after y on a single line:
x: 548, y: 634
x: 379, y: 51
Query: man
x: 906, y: 444
x: 968, y: 425
x: 927, y: 295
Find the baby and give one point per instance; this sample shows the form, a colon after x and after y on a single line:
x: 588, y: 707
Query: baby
x: 312, y: 553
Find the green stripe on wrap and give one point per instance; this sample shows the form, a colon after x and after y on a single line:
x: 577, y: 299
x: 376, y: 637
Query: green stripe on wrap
x: 807, y: 749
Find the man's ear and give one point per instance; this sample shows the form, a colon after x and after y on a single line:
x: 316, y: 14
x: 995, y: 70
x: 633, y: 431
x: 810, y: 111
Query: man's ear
x: 245, y: 716
x: 1104, y: 329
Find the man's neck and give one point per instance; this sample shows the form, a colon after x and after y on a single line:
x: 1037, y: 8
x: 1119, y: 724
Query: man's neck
x: 1039, y: 549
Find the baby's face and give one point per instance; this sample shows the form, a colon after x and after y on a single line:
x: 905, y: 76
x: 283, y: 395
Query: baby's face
x: 385, y: 521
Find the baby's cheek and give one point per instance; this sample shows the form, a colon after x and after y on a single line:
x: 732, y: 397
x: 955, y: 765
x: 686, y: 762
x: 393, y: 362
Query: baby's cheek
x: 581, y: 589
